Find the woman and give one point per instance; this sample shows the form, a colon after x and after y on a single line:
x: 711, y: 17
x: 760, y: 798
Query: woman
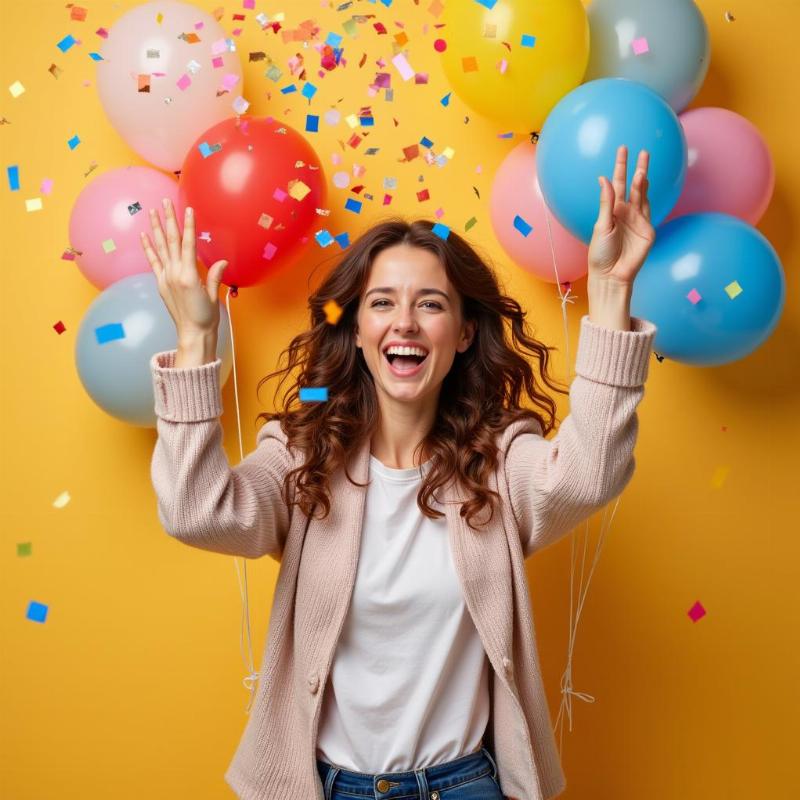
x: 410, y: 612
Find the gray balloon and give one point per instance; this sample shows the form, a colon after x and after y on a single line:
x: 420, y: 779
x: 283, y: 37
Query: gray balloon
x: 121, y: 331
x: 678, y: 48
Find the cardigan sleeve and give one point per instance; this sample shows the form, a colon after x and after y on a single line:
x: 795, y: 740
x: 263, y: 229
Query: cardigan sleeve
x: 201, y: 501
x: 557, y: 483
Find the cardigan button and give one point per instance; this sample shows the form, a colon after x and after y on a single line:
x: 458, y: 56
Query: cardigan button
x: 507, y: 665
x: 313, y: 682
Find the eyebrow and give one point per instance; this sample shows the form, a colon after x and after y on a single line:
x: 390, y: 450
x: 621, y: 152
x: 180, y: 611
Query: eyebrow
x: 392, y: 290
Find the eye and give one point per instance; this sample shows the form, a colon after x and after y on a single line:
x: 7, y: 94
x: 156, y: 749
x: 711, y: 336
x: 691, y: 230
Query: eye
x: 427, y: 302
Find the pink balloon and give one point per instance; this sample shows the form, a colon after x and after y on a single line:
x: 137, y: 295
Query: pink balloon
x: 104, y: 224
x: 161, y: 124
x: 730, y: 168
x: 516, y: 191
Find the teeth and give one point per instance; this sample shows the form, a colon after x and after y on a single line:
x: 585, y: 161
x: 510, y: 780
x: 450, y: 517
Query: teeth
x: 405, y: 351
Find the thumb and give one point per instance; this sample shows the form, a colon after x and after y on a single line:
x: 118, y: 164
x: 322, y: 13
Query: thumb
x: 215, y: 277
x: 605, y: 217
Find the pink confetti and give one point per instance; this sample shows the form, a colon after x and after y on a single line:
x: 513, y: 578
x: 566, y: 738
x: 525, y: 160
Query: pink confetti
x: 640, y: 46
x: 694, y: 296
x: 47, y: 186
x: 403, y: 67
x: 439, y: 213
x: 229, y: 81
x: 270, y: 250
x: 217, y: 62
x: 280, y: 195
x: 218, y: 47
x: 249, y: 4
x: 184, y: 82
x: 502, y: 65
x: 697, y: 611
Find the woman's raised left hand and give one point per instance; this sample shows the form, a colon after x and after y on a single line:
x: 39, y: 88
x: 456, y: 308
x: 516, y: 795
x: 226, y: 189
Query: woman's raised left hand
x: 622, y: 236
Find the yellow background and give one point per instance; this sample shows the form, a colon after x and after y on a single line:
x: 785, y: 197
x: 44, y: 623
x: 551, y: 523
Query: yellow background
x: 133, y: 686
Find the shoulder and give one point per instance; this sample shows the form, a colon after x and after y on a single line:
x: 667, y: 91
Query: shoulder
x: 518, y: 428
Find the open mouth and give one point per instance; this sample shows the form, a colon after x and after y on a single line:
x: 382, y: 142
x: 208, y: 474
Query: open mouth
x: 405, y: 364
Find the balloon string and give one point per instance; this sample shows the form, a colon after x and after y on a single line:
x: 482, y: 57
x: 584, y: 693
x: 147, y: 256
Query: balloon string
x: 567, y: 692
x: 251, y: 678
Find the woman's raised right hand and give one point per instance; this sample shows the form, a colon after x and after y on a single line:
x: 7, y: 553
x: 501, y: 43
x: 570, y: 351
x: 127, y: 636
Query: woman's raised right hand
x: 193, y: 306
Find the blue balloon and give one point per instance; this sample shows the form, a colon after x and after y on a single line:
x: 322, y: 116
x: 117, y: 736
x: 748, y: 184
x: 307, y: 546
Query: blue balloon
x: 731, y: 271
x: 121, y: 331
x: 579, y: 140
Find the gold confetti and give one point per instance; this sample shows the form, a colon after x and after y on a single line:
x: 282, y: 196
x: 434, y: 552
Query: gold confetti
x: 332, y: 311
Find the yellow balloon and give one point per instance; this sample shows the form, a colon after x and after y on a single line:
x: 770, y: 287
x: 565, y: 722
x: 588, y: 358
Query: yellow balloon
x: 536, y: 77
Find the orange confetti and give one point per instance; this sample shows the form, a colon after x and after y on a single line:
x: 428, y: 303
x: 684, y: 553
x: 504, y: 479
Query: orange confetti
x: 469, y: 64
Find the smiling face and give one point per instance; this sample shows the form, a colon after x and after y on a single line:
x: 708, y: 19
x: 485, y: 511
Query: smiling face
x: 408, y: 298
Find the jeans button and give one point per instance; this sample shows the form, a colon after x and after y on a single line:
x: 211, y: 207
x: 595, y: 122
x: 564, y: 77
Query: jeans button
x: 434, y: 795
x: 383, y: 785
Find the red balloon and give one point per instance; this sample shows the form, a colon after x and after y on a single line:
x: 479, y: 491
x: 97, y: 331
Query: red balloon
x: 254, y: 185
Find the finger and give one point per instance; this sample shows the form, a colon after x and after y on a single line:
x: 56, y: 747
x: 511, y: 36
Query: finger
x: 646, y: 200
x: 636, y: 190
x: 620, y: 172
x: 188, y: 251
x: 605, y: 218
x: 214, y: 278
x: 158, y: 237
x: 173, y: 234
x: 152, y: 257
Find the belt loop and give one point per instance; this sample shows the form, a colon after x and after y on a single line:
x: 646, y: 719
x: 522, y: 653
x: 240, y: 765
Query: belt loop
x: 422, y: 782
x: 329, y: 779
x: 494, y: 765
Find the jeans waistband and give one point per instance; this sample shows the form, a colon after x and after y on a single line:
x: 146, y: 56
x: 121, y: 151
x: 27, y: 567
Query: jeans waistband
x: 386, y: 785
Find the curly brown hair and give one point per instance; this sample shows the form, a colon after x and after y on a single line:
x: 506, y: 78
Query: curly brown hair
x: 480, y: 395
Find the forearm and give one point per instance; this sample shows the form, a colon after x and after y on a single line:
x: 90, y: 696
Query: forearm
x: 609, y: 304
x: 196, y: 350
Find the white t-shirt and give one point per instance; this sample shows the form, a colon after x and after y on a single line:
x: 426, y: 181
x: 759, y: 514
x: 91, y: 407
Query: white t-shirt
x: 408, y: 686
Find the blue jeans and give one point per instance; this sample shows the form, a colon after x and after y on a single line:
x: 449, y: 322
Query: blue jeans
x: 471, y: 777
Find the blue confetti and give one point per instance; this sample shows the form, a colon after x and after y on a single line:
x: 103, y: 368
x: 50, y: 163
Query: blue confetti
x: 334, y: 39
x: 323, y: 238
x: 109, y: 333
x: 66, y: 43
x: 528, y: 40
x: 309, y: 90
x: 312, y: 123
x: 487, y: 3
x: 445, y: 101
x: 441, y: 230
x: 13, y: 178
x: 289, y: 89
x: 313, y: 394
x: 343, y: 239
x: 426, y: 142
x: 96, y: 57
x: 505, y: 135
x: 366, y: 122
x: 522, y: 226
x: 36, y: 611
x: 74, y: 142
x: 353, y: 205
x: 206, y: 149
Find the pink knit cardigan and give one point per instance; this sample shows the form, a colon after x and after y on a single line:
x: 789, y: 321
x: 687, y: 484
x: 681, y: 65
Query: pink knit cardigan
x: 547, y: 487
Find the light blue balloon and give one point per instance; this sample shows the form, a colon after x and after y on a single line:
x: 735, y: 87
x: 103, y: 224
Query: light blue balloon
x: 579, y: 140
x: 708, y: 253
x: 121, y: 331
x: 678, y: 50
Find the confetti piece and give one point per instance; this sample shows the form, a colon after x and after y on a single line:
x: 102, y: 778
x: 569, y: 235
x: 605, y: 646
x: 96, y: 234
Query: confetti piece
x: 423, y: 195
x: 403, y: 66
x: 502, y: 66
x: 206, y: 150
x: 489, y: 31
x: 78, y: 13
x: 696, y: 612
x: 297, y: 189
x: 528, y: 40
x: 109, y: 333
x: 334, y: 39
x: 729, y: 17
x: 184, y: 82
x: 279, y: 195
x: 470, y: 222
x: 332, y: 311
x: 323, y: 238
x: 640, y: 46
x: 733, y: 289
x: 523, y: 227
x: 33, y: 205
x: 309, y: 90
x: 62, y: 500
x: 694, y: 296
x: 74, y: 142
x: 719, y: 476
x: 229, y: 81
x: 13, y: 178
x: 488, y: 3
x: 16, y: 89
x: 312, y: 123
x: 445, y: 101
x: 47, y: 186
x: 37, y: 612
x: 240, y: 105
x: 440, y: 45
x: 265, y: 221
x: 353, y: 205
x: 269, y: 250
x: 343, y: 240
x: 310, y: 394
x: 23, y: 549
x: 469, y: 64
x: 66, y: 43
x: 441, y: 230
